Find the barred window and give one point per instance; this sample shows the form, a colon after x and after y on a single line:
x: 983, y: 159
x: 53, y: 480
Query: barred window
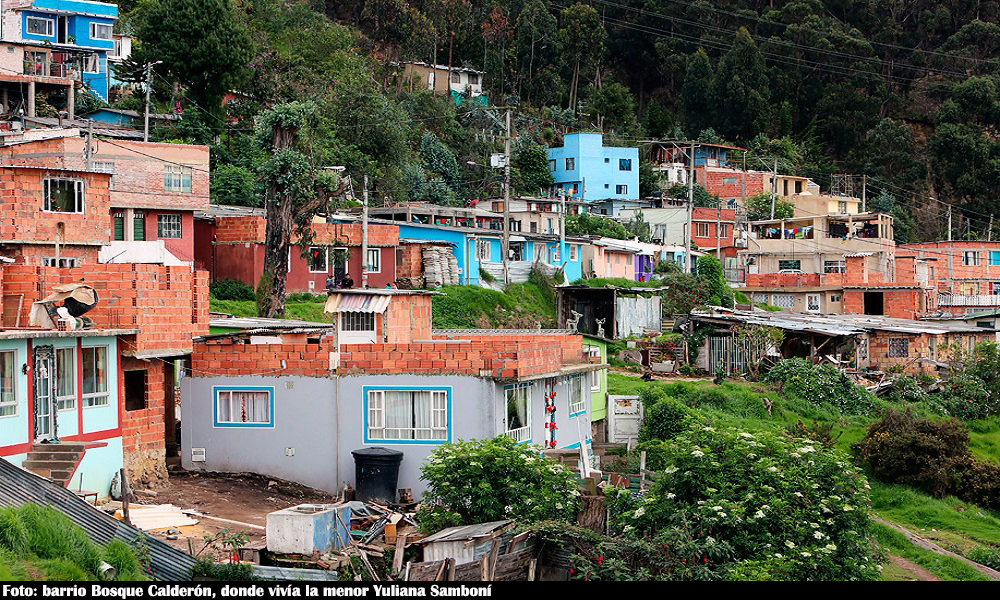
x: 899, y: 347
x: 168, y: 226
x: 354, y: 321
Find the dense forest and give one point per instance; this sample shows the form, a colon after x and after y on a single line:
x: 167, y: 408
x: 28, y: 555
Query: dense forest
x: 904, y: 92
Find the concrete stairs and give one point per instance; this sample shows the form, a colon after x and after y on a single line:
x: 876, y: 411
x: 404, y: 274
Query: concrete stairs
x: 57, y: 462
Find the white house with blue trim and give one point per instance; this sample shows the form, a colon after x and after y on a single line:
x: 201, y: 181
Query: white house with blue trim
x: 56, y: 46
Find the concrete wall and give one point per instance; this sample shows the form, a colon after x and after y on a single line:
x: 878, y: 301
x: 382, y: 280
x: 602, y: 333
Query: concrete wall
x: 596, y: 163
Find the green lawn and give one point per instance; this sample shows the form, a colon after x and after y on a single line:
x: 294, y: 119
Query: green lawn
x: 304, y: 311
x: 945, y: 567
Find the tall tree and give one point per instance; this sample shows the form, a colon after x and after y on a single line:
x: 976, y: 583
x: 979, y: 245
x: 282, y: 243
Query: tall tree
x: 697, y: 93
x: 450, y: 16
x: 741, y: 90
x: 582, y: 38
x: 295, y: 190
x: 200, y: 44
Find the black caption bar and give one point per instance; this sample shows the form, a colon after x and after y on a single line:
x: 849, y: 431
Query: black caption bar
x: 221, y: 590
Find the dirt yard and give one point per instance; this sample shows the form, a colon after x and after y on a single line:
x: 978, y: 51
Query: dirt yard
x: 245, y: 497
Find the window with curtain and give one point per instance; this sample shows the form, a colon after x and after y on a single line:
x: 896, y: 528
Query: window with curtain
x: 65, y: 378
x: 577, y: 401
x: 243, y: 407
x: 519, y: 412
x: 407, y: 415
x: 95, y: 376
x: 8, y: 399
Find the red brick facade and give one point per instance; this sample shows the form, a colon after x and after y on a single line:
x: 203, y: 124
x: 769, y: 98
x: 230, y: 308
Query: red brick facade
x: 24, y: 220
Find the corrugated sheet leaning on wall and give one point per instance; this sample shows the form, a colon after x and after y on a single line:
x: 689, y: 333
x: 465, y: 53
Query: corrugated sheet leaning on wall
x: 18, y: 486
x: 634, y: 314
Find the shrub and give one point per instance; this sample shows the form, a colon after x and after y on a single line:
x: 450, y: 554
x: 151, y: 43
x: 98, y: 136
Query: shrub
x: 755, y: 505
x: 907, y: 389
x: 231, y: 289
x: 489, y: 480
x: 979, y: 482
x: 664, y: 420
x: 821, y: 384
x: 985, y: 555
x: 821, y: 433
x: 923, y: 453
x: 965, y: 396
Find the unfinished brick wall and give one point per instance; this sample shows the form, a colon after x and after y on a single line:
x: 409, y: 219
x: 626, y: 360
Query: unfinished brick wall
x: 408, y: 318
x: 22, y: 219
x: 225, y: 358
x: 714, y: 182
x: 950, y: 262
x: 168, y: 304
x: 412, y: 264
x: 144, y: 431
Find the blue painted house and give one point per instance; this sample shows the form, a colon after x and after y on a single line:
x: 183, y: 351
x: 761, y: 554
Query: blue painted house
x: 585, y: 169
x: 61, y: 408
x: 55, y: 45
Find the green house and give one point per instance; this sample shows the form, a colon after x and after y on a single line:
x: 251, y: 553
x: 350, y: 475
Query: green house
x: 593, y: 347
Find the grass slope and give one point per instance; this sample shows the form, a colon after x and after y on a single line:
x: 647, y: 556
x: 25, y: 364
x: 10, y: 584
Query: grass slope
x: 301, y: 310
x: 523, y: 306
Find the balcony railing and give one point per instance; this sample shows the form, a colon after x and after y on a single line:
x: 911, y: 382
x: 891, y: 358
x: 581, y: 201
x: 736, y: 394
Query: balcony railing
x: 520, y: 435
x: 736, y: 275
x: 46, y: 68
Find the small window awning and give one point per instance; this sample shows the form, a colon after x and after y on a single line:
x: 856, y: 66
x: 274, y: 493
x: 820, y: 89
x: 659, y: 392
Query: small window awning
x: 359, y: 303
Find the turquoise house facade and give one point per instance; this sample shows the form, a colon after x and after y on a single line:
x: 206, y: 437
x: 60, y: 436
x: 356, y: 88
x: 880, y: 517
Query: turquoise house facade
x: 584, y: 168
x: 63, y: 387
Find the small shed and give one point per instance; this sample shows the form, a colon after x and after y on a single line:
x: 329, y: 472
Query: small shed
x: 621, y: 311
x: 466, y: 543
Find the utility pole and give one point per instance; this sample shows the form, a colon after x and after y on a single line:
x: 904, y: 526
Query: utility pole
x: 364, y: 235
x: 951, y: 256
x: 989, y: 232
x: 774, y: 188
x: 145, y: 116
x: 506, y: 201
x: 690, y: 212
x: 864, y: 193
x: 718, y: 232
x: 89, y: 149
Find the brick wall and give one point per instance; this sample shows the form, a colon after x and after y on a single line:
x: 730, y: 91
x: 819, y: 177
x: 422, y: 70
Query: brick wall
x: 408, y: 319
x: 950, y: 258
x: 490, y: 355
x: 21, y: 202
x: 412, y: 263
x: 144, y: 430
x: 230, y: 230
x: 714, y: 182
x: 168, y: 304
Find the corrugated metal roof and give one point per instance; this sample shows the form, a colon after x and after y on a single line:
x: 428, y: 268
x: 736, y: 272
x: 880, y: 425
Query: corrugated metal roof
x: 252, y: 323
x: 18, y: 486
x: 836, y: 324
x: 360, y: 303
x: 467, y: 532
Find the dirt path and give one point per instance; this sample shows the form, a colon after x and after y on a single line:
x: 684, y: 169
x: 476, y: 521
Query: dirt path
x: 922, y: 543
x: 919, y: 573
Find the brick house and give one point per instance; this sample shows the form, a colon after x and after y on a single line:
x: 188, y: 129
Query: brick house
x: 154, y: 188
x: 231, y: 246
x: 967, y: 274
x: 380, y: 376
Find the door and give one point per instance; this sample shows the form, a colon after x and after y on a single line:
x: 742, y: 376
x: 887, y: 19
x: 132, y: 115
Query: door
x: 44, y: 411
x: 339, y: 263
x: 812, y: 303
x: 63, y: 26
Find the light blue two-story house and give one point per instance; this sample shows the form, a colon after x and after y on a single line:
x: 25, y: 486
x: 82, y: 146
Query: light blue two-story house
x: 55, y: 45
x: 585, y: 169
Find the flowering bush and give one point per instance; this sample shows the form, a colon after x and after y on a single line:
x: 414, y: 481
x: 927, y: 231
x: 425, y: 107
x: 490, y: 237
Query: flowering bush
x: 965, y: 396
x: 732, y: 504
x: 488, y: 480
x: 821, y: 384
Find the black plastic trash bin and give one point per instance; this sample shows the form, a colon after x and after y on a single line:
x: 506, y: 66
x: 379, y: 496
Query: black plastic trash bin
x: 376, y: 473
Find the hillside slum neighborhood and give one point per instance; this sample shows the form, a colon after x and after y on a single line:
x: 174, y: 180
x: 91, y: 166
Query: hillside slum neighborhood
x: 117, y: 378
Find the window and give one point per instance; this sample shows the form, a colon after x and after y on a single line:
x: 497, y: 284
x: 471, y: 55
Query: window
x: 899, y: 347
x: 574, y: 253
x: 834, y: 266
x: 518, y: 424
x: 62, y: 263
x: 577, y: 399
x: 593, y: 352
x: 168, y: 226
x: 994, y: 258
x: 624, y: 164
x: 105, y: 166
x: 842, y: 207
x: 533, y: 227
x: 729, y: 181
x: 135, y: 390
x: 40, y: 26
x: 100, y: 31
x: 834, y: 298
x: 8, y: 399
x: 570, y: 164
x: 552, y: 165
x: 177, y: 178
x: 789, y: 264
x: 91, y: 63
x: 968, y: 288
x: 318, y: 259
x: 483, y: 250
x: 456, y: 77
x: 783, y: 300
x: 374, y: 260
x: 607, y: 160
x: 970, y: 258
x: 95, y: 376
x: 473, y: 78
x: 356, y: 321
x: 139, y: 226
x: 63, y: 195
x: 244, y: 407
x: 406, y: 415
x: 119, y: 223
x: 621, y: 189
x: 702, y: 230
x: 995, y: 288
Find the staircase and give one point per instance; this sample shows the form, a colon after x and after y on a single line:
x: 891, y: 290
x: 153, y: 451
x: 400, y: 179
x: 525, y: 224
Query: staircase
x: 57, y: 462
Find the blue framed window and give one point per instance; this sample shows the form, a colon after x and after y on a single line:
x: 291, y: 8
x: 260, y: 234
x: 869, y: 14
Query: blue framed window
x: 994, y: 258
x: 401, y: 415
x: 517, y: 423
x: 577, y: 397
x: 243, y: 406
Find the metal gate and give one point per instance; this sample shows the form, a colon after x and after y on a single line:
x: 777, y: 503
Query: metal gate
x: 726, y: 353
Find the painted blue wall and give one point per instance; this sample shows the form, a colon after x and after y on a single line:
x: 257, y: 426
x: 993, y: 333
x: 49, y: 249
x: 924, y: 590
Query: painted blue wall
x: 103, y: 116
x: 600, y: 165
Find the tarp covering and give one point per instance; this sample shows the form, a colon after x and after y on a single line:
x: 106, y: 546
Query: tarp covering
x: 80, y: 293
x: 360, y: 303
